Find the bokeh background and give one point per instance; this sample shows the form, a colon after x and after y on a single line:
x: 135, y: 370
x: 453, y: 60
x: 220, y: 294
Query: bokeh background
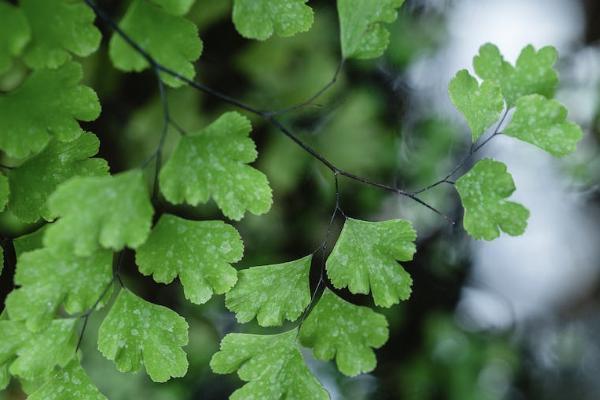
x: 516, y: 318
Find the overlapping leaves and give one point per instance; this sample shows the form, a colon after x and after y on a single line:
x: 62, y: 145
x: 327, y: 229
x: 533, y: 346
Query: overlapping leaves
x: 49, y: 278
x: 36, y: 179
x: 48, y: 104
x: 100, y: 212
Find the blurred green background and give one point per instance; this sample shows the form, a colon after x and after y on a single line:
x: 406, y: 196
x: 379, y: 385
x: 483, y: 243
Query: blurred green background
x: 475, y: 326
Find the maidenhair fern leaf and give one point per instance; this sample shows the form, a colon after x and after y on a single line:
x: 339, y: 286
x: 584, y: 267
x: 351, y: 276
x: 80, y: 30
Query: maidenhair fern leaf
x: 108, y: 211
x: 175, y: 45
x: 213, y: 163
x: 200, y: 252
x: 48, y: 103
x: 483, y: 191
x: 543, y: 123
x: 480, y: 105
x: 271, y: 364
x: 336, y: 328
x: 49, y: 278
x: 137, y: 332
x: 34, y: 181
x: 175, y: 7
x: 271, y: 292
x: 15, y: 34
x: 37, y: 353
x: 533, y: 74
x: 364, y: 259
x: 58, y: 28
x: 362, y: 32
x: 258, y: 19
x: 69, y: 383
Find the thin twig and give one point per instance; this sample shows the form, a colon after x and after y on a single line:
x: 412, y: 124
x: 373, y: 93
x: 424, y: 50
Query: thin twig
x: 267, y: 116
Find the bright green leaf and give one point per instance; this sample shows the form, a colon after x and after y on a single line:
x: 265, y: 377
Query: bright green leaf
x: 533, y: 74
x: 483, y: 191
x: 58, y: 28
x: 15, y: 34
x: 69, y: 383
x: 271, y: 364
x: 364, y: 259
x: 258, y: 19
x: 49, y: 279
x: 271, y: 292
x: 38, y: 353
x: 200, y: 252
x: 175, y: 7
x: 336, y: 328
x: 48, y: 103
x: 108, y: 211
x: 137, y: 332
x: 543, y: 123
x: 175, y: 45
x: 480, y: 105
x: 213, y: 163
x: 361, y: 26
x: 34, y: 181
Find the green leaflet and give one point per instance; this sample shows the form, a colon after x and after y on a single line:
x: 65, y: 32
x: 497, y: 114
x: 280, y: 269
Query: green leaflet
x: 15, y: 34
x: 34, y: 181
x: 48, y: 103
x: 364, y: 258
x: 543, y: 123
x: 175, y: 45
x: 213, y: 163
x: 336, y: 328
x: 361, y: 26
x: 31, y: 355
x: 107, y: 211
x: 480, y: 105
x: 533, y: 74
x: 271, y: 364
x: 69, y: 383
x: 271, y: 292
x: 49, y: 278
x: 258, y: 19
x: 175, y: 7
x: 483, y: 192
x: 58, y: 28
x: 137, y: 332
x: 200, y: 252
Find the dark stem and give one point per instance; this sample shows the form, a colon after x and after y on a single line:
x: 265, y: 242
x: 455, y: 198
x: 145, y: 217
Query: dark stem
x: 267, y: 116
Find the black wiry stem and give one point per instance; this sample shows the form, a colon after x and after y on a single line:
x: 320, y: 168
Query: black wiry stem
x: 267, y: 116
